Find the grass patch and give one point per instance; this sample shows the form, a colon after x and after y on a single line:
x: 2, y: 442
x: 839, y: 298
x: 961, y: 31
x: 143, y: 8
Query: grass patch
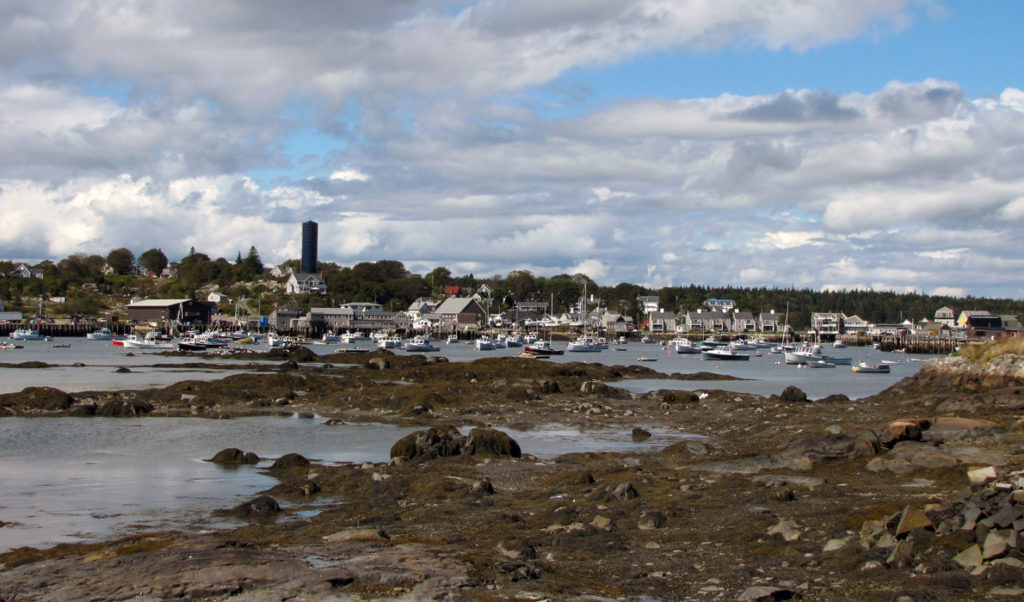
x: 986, y: 352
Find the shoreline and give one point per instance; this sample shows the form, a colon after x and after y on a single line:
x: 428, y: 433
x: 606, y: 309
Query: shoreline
x: 787, y: 495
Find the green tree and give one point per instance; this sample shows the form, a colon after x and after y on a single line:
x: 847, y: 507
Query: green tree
x: 122, y: 261
x: 154, y: 261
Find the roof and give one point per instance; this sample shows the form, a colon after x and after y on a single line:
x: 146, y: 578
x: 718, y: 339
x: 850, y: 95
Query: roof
x: 158, y: 302
x: 455, y: 305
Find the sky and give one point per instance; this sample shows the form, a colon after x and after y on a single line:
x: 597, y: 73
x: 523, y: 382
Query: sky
x: 822, y: 144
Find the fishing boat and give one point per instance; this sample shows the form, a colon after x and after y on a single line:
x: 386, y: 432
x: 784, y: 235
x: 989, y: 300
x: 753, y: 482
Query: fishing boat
x: 419, y: 343
x: 484, y: 343
x: 584, y: 344
x: 26, y: 334
x: 683, y: 345
x: 453, y: 339
x: 191, y: 344
x: 866, y: 368
x: 542, y: 347
x: 103, y: 334
x: 329, y: 338
x: 723, y: 354
x: 389, y: 342
x: 820, y: 364
x: 134, y: 341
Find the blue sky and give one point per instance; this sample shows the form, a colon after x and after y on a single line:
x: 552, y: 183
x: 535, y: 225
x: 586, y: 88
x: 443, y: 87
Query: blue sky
x: 824, y: 144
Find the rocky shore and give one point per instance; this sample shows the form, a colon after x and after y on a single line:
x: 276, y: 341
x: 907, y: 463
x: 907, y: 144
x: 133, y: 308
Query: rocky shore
x: 913, y: 494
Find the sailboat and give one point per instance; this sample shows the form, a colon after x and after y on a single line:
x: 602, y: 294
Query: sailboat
x: 584, y: 343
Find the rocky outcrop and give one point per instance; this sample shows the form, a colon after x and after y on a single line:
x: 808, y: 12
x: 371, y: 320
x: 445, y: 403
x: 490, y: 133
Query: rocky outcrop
x: 961, y: 373
x: 38, y: 398
x: 447, y: 441
x: 289, y: 461
x: 233, y: 456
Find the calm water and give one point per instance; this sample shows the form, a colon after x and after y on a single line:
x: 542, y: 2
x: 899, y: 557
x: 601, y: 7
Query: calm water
x: 73, y: 479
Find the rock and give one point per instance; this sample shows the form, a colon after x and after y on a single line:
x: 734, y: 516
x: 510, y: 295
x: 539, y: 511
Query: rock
x: 766, y: 593
x: 122, y: 370
x: 367, y: 534
x: 431, y: 443
x: 911, y: 519
x: 907, y: 429
x: 515, y: 549
x: 378, y: 363
x: 811, y: 451
x: 786, y: 528
x: 624, y: 491
x: 601, y: 522
x: 38, y: 398
x: 119, y: 408
x: 835, y: 544
x: 793, y: 394
x: 651, y: 519
x: 640, y: 434
x: 233, y: 455
x: 291, y: 460
x: 950, y: 428
x: 902, y: 554
x: 485, y: 441
x: 593, y: 387
x: 969, y: 558
x: 262, y: 506
x: 983, y: 475
x: 998, y: 542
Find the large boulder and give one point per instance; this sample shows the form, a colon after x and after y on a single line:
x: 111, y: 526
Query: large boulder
x: 447, y: 441
x: 38, y: 398
x: 234, y: 456
x: 260, y: 507
x: 491, y: 442
x: 806, y: 453
x: 430, y: 443
x: 292, y: 460
x: 793, y: 394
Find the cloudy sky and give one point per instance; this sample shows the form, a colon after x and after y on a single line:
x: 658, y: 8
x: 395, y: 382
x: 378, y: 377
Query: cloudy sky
x: 808, y: 143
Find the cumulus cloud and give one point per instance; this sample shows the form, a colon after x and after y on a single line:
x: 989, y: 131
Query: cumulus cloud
x: 167, y: 124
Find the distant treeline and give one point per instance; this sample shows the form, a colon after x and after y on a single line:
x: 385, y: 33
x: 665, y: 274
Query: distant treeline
x: 90, y: 281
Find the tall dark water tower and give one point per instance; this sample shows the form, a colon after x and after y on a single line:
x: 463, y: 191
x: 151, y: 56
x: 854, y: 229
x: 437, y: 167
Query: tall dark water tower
x: 309, y: 247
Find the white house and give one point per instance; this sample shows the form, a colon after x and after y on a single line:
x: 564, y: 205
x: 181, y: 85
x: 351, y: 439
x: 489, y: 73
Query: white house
x: 216, y: 297
x: 303, y: 283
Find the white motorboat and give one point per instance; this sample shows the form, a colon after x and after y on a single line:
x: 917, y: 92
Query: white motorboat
x: 103, y: 334
x: 27, y: 334
x: 419, y: 343
x: 484, y: 343
x: 683, y: 345
x: 866, y: 368
x: 352, y: 337
x: 453, y: 339
x: 330, y: 338
x: 389, y: 342
x: 724, y: 353
x: 542, y: 347
x: 804, y: 354
x: 273, y: 340
x: 134, y: 341
x: 584, y: 344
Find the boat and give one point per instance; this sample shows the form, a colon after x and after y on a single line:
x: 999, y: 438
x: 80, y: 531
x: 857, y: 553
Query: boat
x: 134, y: 341
x: 330, y: 338
x: 419, y: 343
x: 191, y: 344
x: 514, y: 340
x: 453, y: 339
x: 351, y: 337
x: 839, y: 345
x: 103, y: 334
x: 723, y: 354
x: 866, y: 368
x: 26, y: 334
x: 804, y: 354
x: 585, y: 344
x: 10, y: 345
x: 542, y: 347
x: 646, y: 359
x: 648, y: 340
x: 820, y: 364
x: 484, y: 343
x: 273, y: 340
x: 683, y: 345
x: 390, y: 341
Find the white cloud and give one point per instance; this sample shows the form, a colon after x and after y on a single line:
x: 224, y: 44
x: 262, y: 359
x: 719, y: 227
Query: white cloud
x: 349, y: 175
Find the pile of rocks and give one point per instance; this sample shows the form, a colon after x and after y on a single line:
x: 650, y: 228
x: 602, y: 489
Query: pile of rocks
x: 982, y: 533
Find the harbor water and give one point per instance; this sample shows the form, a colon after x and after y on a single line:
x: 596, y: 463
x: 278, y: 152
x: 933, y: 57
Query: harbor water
x: 74, y: 479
